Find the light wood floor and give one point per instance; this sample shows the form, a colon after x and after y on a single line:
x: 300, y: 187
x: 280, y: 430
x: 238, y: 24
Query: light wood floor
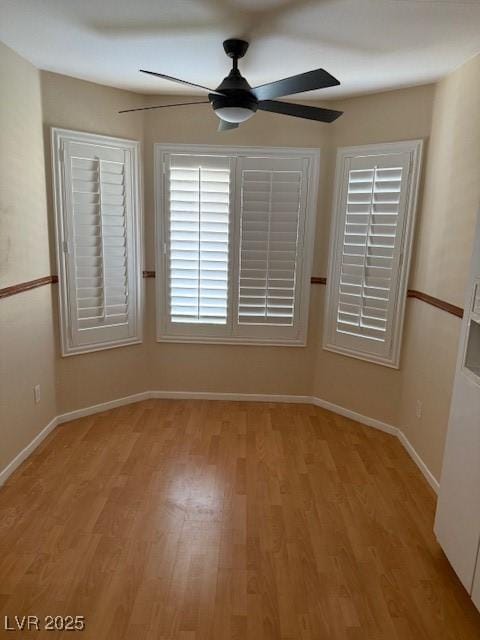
x: 209, y: 520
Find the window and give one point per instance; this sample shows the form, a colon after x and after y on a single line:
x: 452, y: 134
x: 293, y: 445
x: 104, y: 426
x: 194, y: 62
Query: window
x: 97, y: 222
x: 198, y: 231
x: 376, y: 191
x: 235, y: 231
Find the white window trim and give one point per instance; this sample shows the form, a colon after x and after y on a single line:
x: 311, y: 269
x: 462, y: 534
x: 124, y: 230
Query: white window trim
x: 58, y: 137
x: 414, y: 148
x: 309, y: 238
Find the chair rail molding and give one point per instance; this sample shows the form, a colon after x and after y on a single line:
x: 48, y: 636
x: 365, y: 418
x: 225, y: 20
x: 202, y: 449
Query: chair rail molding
x: 13, y: 289
x: 443, y: 305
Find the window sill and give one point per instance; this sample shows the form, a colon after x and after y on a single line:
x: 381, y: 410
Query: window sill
x: 391, y: 364
x: 245, y: 342
x: 77, y: 351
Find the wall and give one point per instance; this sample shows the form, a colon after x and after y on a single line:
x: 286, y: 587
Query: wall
x: 232, y: 368
x: 369, y: 389
x: 80, y: 105
x: 26, y: 323
x: 88, y: 379
x: 443, y: 252
x: 301, y: 371
x: 84, y: 380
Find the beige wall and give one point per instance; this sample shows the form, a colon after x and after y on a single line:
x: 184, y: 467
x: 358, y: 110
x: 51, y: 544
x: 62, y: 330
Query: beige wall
x: 452, y: 187
x: 89, y: 379
x: 384, y: 117
x: 280, y: 370
x: 26, y: 325
x: 369, y: 389
x: 443, y: 251
x: 243, y: 369
x: 24, y: 244
x: 80, y: 105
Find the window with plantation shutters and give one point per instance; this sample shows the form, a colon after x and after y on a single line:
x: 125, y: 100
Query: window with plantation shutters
x: 234, y: 257
x: 376, y: 190
x: 272, y: 218
x: 197, y: 236
x: 96, y: 207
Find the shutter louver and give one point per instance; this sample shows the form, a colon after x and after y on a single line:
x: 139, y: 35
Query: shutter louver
x: 272, y: 210
x: 199, y: 220
x: 371, y: 225
x: 100, y: 259
x: 101, y: 267
x: 370, y: 252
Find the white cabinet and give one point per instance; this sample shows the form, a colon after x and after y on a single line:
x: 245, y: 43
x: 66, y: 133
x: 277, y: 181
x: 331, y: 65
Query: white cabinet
x: 457, y: 522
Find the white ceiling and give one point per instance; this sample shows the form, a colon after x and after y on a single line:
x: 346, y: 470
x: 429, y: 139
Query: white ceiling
x: 369, y: 45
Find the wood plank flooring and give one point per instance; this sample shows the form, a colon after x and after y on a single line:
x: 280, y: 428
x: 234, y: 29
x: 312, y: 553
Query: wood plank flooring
x: 198, y: 520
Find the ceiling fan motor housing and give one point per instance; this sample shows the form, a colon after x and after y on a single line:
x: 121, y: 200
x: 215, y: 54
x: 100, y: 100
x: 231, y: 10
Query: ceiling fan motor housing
x: 236, y: 92
x: 236, y: 102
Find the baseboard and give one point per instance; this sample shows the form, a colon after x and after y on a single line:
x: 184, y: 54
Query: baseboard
x: 236, y: 397
x: 103, y: 406
x: 387, y: 428
x: 232, y: 397
x: 179, y: 395
x: 29, y: 449
x: 430, y: 478
x: 353, y: 415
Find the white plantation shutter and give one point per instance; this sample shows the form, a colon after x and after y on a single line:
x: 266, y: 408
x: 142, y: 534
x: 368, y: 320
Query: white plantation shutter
x: 197, y: 238
x: 98, y: 255
x: 376, y: 190
x: 233, y: 262
x: 371, y: 248
x: 272, y: 217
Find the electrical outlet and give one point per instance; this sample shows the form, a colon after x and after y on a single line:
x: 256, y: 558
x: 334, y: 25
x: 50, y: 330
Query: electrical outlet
x: 419, y: 409
x: 36, y: 393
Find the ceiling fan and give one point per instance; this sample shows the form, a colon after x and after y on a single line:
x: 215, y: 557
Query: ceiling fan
x: 234, y: 101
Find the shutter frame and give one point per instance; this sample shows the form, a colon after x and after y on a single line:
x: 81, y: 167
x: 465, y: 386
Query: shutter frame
x: 80, y: 335
x: 387, y: 352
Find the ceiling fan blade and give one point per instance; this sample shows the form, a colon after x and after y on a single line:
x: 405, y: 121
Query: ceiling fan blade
x: 189, y: 84
x: 317, y: 79
x: 300, y: 110
x: 223, y: 125
x: 164, y: 106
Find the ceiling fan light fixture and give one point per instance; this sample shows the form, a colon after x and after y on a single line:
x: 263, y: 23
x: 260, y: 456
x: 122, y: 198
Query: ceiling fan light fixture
x: 234, y: 114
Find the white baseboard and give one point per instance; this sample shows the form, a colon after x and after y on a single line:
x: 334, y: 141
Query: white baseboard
x: 237, y: 397
x: 103, y: 406
x: 233, y: 397
x: 29, y: 449
x: 382, y: 426
x: 430, y: 478
x: 353, y: 415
